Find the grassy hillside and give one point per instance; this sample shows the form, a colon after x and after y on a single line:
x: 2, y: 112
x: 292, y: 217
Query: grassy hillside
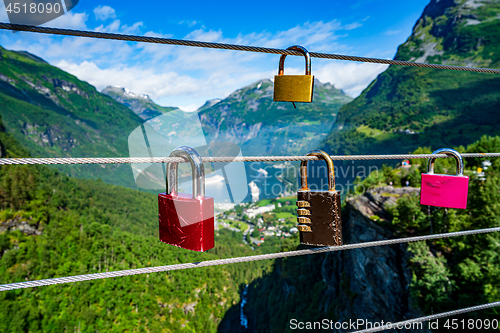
x: 53, y: 114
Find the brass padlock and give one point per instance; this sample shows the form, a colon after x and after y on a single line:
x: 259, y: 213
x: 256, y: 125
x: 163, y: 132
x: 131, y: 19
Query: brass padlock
x: 318, y: 212
x: 294, y: 88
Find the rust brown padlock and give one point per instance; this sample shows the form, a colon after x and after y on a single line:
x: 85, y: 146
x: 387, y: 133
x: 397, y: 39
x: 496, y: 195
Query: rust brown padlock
x: 318, y: 213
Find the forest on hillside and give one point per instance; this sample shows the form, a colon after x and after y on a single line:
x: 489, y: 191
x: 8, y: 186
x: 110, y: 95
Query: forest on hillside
x: 63, y: 226
x: 445, y: 274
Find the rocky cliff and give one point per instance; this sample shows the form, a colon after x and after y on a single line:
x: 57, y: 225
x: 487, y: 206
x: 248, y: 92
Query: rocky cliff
x: 370, y: 284
x: 406, y: 107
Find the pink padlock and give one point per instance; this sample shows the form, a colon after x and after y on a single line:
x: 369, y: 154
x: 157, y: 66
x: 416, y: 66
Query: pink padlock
x: 445, y: 190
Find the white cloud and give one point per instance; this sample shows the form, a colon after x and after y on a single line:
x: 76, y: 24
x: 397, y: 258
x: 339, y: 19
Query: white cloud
x: 69, y: 20
x: 136, y: 79
x: 160, y: 84
x: 102, y: 13
x: 134, y: 28
x: 205, y: 36
x: 189, y: 108
x: 112, y: 27
x: 351, y: 77
x: 392, y: 32
x: 189, y: 23
x: 352, y: 26
x: 188, y: 76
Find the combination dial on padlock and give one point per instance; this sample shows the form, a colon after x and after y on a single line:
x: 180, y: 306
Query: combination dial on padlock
x: 186, y: 221
x: 448, y: 191
x: 318, y: 213
x: 294, y: 88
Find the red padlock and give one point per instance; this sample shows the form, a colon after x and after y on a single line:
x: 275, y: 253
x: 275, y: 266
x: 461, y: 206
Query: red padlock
x: 186, y: 221
x: 445, y: 190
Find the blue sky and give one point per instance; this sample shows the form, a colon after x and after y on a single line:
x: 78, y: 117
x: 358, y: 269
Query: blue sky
x: 187, y: 77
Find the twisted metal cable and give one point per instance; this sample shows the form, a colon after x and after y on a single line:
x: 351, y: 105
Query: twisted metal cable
x: 158, y: 40
x: 122, y: 160
x: 217, y: 262
x: 401, y: 324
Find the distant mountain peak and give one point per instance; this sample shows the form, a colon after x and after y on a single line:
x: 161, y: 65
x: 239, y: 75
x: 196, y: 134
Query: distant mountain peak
x: 262, y: 82
x: 455, y: 32
x: 141, y: 104
x: 209, y: 103
x: 126, y: 92
x: 33, y: 57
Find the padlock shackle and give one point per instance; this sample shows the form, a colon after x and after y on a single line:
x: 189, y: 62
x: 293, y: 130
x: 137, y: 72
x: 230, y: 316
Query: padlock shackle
x: 198, y: 171
x: 329, y: 163
x: 281, y: 70
x: 447, y: 151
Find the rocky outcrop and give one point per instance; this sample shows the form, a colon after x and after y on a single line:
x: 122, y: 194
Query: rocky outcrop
x: 375, y: 201
x: 66, y: 86
x: 21, y: 224
x: 50, y: 136
x: 370, y: 283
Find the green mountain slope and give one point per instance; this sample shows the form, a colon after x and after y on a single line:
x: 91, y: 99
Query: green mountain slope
x: 54, y: 114
x: 141, y: 104
x: 249, y: 117
x: 404, y: 108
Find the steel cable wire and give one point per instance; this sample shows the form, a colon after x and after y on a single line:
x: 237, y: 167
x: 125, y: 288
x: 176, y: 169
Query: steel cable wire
x: 124, y: 160
x: 217, y: 262
x: 170, y: 41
